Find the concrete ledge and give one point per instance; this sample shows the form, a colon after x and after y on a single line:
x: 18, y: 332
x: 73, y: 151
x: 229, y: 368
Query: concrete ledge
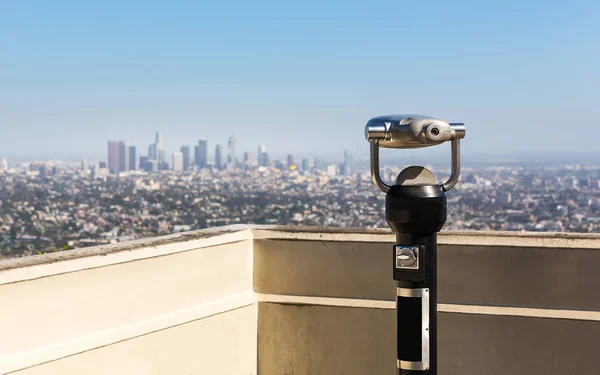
x: 179, y: 238
x: 38, y: 266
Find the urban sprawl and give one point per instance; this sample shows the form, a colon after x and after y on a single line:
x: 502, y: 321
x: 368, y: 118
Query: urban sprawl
x: 53, y: 206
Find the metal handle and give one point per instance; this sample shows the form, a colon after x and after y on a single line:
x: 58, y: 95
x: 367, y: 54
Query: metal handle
x: 455, y: 169
x: 375, y: 167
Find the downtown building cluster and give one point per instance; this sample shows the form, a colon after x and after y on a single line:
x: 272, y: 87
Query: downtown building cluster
x: 122, y: 158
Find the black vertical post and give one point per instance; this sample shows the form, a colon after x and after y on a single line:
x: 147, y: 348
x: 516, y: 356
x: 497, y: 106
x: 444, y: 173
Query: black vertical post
x: 416, y: 214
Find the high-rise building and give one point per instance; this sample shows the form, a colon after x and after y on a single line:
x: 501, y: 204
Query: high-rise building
x: 290, y: 161
x: 47, y: 170
x: 263, y: 156
x: 231, y: 159
x: 248, y: 161
x: 332, y: 170
x: 316, y: 164
x: 147, y: 164
x: 156, y: 151
x: 305, y: 165
x: 348, y: 163
x: 84, y: 166
x: 201, y: 153
x: 102, y: 165
x: 162, y: 166
x: 123, y: 156
x: 143, y: 162
x: 113, y: 156
x: 3, y: 165
x: 185, y: 150
x: 151, y: 152
x: 218, y: 157
x: 178, y: 161
x: 160, y: 153
x: 132, y: 158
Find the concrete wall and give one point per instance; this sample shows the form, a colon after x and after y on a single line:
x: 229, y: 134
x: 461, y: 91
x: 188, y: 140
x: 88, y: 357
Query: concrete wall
x: 178, y: 305
x: 509, y: 303
x: 273, y: 301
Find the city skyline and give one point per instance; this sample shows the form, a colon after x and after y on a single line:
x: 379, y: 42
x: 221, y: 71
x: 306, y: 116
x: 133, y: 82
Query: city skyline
x: 121, y: 157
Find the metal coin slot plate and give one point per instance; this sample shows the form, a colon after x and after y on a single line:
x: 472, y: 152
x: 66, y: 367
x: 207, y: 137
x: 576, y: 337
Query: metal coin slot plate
x: 407, y: 257
x: 423, y: 294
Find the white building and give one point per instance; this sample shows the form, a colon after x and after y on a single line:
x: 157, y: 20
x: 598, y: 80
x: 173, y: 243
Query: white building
x: 178, y: 161
x: 332, y: 170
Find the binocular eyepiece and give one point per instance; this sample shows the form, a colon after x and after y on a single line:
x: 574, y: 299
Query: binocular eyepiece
x: 411, y: 131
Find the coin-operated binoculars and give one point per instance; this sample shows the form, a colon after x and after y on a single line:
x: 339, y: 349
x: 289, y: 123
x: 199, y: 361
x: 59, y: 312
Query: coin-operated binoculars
x: 415, y: 209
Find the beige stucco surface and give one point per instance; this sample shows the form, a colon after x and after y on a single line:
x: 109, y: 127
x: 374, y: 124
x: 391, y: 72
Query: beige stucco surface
x: 306, y: 340
x: 325, y: 268
x: 221, y: 344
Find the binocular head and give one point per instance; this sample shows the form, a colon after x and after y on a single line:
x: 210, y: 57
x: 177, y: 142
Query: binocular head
x: 411, y: 131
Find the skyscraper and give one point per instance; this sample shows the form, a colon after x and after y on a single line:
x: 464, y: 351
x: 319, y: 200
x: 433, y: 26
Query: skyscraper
x: 248, y: 161
x: 123, y: 156
x: 3, y: 165
x: 201, y: 153
x: 231, y: 159
x: 152, y: 152
x: 144, y: 160
x: 305, y: 165
x: 178, y: 161
x: 113, y: 156
x: 290, y: 161
x: 185, y: 150
x: 132, y: 158
x: 160, y: 153
x: 84, y: 166
x: 156, y: 151
x: 218, y: 157
x: 348, y: 162
x: 263, y: 156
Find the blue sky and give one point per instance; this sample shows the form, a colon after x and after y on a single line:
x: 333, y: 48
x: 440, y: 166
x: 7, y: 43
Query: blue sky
x: 299, y: 77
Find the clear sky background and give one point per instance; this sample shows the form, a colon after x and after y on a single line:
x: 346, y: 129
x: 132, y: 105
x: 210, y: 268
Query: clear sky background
x: 299, y: 77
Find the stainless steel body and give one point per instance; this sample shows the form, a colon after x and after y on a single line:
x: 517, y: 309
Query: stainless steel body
x: 413, y: 131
